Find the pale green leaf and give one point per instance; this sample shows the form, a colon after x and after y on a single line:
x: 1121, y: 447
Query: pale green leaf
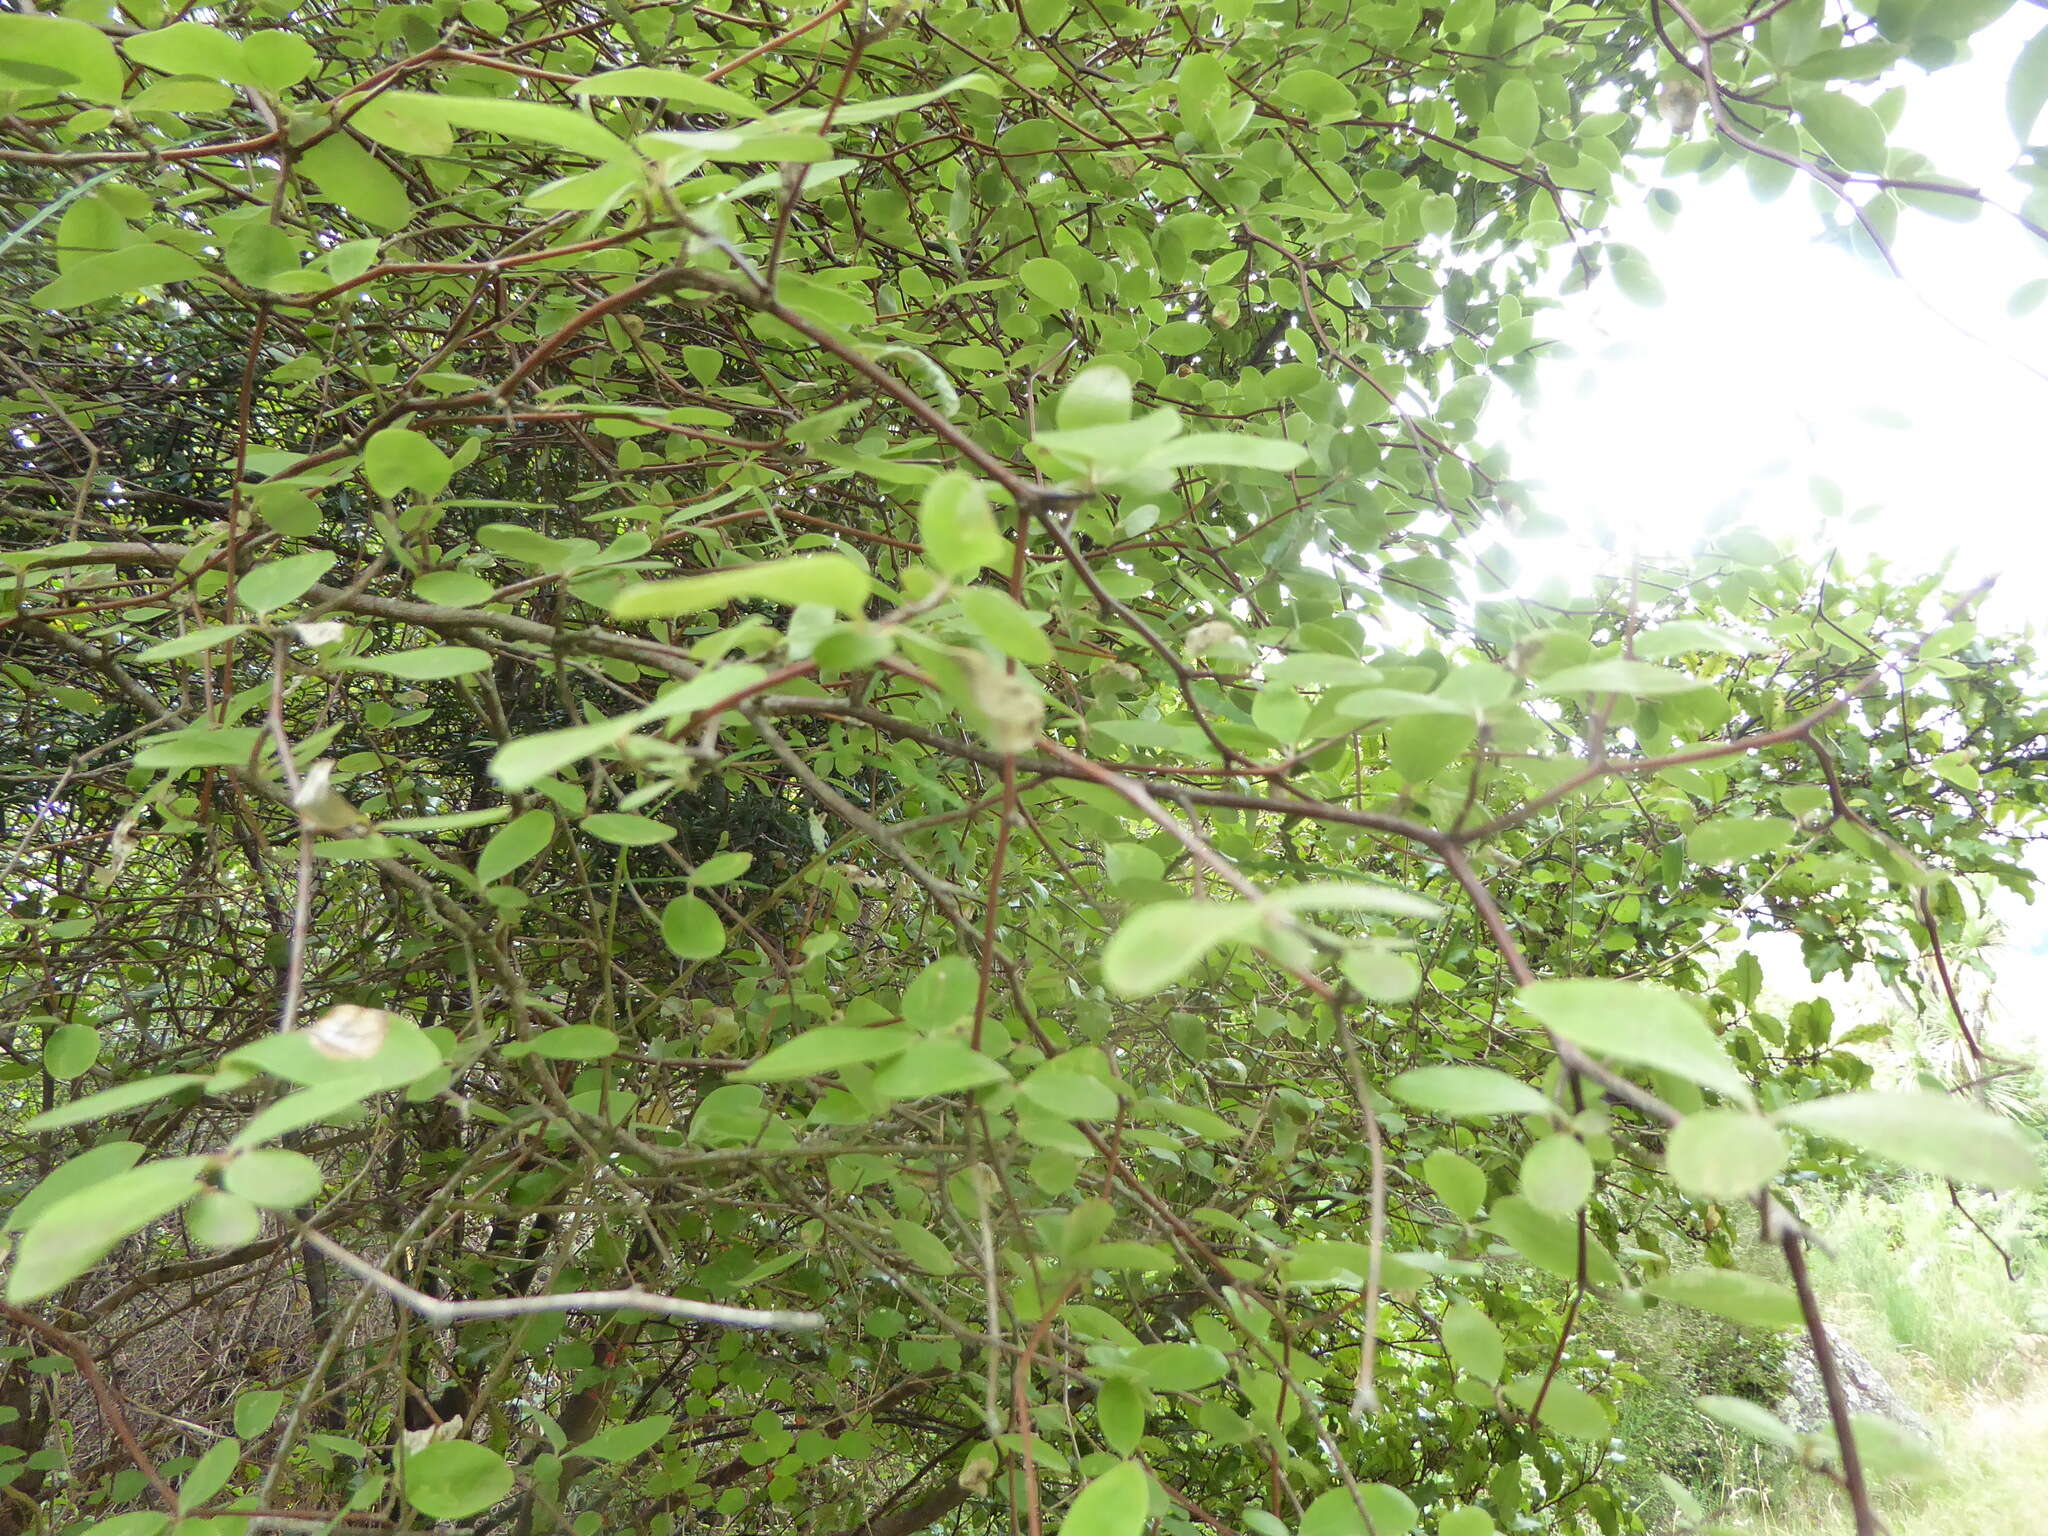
x: 1158, y: 945
x: 1640, y: 1023
x: 818, y: 1051
x: 835, y: 581
x: 271, y: 586
x: 428, y: 663
x: 72, y: 1234
x: 1741, y: 1298
x: 1724, y: 1154
x: 454, y: 1479
x: 1933, y: 1132
x: 131, y: 269
x: 1474, y: 1092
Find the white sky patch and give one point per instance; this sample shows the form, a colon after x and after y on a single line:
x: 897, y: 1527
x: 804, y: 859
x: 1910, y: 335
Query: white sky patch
x: 1777, y: 361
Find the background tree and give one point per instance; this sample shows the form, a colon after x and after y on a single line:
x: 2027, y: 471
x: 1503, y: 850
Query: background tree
x: 854, y: 672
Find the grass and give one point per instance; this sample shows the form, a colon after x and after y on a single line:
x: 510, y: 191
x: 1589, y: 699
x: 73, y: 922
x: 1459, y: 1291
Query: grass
x: 1921, y: 1293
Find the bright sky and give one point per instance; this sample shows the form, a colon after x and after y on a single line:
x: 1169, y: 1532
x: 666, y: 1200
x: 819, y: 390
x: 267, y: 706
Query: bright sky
x: 1776, y: 360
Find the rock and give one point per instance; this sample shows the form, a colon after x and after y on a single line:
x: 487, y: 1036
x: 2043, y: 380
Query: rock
x: 1805, y: 1408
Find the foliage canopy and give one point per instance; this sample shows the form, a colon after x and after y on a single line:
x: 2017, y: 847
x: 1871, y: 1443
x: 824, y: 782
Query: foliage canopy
x: 853, y: 676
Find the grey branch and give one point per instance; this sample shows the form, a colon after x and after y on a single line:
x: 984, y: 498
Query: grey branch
x: 446, y: 1314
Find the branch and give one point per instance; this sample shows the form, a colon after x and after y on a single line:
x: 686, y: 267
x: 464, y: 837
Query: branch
x: 110, y: 1407
x: 445, y: 1314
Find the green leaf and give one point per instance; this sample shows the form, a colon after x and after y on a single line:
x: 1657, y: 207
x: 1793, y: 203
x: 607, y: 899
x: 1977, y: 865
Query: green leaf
x: 2026, y: 90
x: 1464, y: 1520
x: 1639, y: 678
x: 454, y: 1479
x: 209, y: 1474
x: 623, y: 1442
x: 667, y: 85
x: 1381, y: 976
x: 273, y: 1177
x: 835, y: 581
x: 1638, y: 280
x: 309, y: 1106
x: 1517, y: 115
x: 1469, y: 1092
x: 454, y: 821
x: 144, y: 1523
x: 70, y: 1051
x: 400, y: 120
x: 1640, y: 1023
x: 517, y: 843
x: 957, y: 529
x: 536, y: 122
x: 1851, y: 133
x: 220, y: 1221
x: 201, y: 746
x: 1120, y: 1411
x: 1421, y: 746
x: 191, y: 48
x: 935, y: 1067
x: 1387, y: 1512
x: 998, y: 619
x: 1473, y: 1343
x: 1683, y: 637
x: 73, y: 1233
x: 1354, y: 896
x: 1935, y: 1133
x: 271, y: 586
x: 405, y: 1054
x: 399, y: 459
x: 191, y: 641
x: 1732, y: 839
x: 1858, y: 61
x: 131, y: 269
x: 1741, y: 1298
x: 1097, y: 396
x: 1159, y: 944
x: 1458, y: 1182
x: 1745, y: 1417
x: 1322, y: 96
x: 519, y: 764
x: 1070, y: 1092
x: 627, y: 830
x: 1724, y: 1154
x: 523, y: 763
x: 924, y: 1250
x: 111, y: 1101
x: 1115, y: 1504
x: 1233, y: 449
x: 720, y: 869
x: 691, y: 929
x: 852, y: 114
x: 452, y: 589
x: 818, y: 1051
x: 1550, y: 1243
x: 1051, y: 281
x: 106, y: 1161
x: 427, y: 664
x: 566, y: 1042
x: 1568, y: 1409
x: 1178, y: 1367
x: 255, y: 1412
x: 35, y: 48
x: 1557, y: 1175
x: 276, y: 60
